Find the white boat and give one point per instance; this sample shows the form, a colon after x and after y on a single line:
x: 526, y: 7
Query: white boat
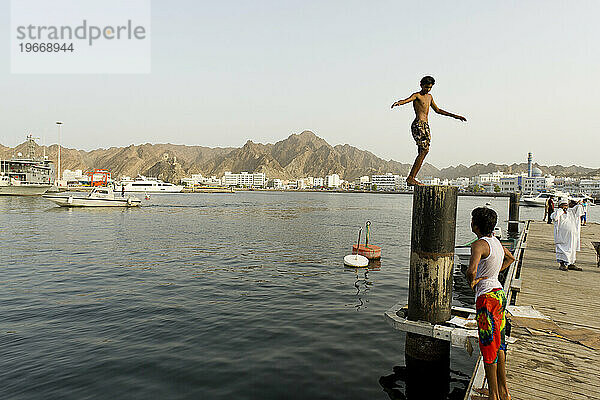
x: 580, y: 197
x: 26, y: 176
x: 148, y: 185
x: 98, y: 197
x: 541, y: 198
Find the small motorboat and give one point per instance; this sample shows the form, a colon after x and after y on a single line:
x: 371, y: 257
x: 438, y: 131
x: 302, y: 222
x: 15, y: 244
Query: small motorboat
x: 98, y: 197
x: 540, y: 199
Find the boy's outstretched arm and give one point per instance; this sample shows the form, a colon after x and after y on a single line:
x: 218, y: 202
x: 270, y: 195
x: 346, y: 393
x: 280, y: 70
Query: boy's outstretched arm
x: 407, y: 100
x: 442, y: 112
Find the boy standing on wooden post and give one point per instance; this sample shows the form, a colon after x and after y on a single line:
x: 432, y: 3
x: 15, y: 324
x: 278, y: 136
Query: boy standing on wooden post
x: 488, y: 258
x: 420, y: 127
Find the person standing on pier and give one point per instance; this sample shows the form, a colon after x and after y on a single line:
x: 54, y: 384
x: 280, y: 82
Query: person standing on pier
x: 546, y: 206
x: 567, y: 231
x: 585, y: 211
x: 550, y: 208
x: 422, y: 100
x: 488, y: 258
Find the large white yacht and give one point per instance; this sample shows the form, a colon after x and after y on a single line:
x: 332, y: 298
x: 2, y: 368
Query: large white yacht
x: 148, y: 185
x: 26, y: 176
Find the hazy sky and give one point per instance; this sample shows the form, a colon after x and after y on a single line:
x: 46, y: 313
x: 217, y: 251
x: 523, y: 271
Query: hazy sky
x: 524, y: 73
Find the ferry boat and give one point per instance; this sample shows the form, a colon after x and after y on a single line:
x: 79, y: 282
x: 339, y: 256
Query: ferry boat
x: 26, y: 176
x: 148, y: 185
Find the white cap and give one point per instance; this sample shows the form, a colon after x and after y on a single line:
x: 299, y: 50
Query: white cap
x: 563, y: 201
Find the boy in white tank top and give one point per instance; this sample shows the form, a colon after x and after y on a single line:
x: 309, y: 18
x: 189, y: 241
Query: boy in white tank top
x: 488, y: 258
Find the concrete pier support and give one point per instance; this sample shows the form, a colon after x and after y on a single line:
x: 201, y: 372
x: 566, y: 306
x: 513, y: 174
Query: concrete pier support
x: 513, y: 215
x: 431, y: 266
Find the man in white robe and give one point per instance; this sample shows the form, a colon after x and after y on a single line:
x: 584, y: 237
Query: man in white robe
x: 567, y: 233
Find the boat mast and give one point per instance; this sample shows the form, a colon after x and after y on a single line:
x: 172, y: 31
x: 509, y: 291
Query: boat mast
x: 58, y: 124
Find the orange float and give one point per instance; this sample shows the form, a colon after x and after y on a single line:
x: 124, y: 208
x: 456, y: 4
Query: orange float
x: 370, y: 251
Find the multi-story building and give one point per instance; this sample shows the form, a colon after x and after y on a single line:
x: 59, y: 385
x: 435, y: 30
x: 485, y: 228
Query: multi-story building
x: 72, y: 176
x: 388, y: 181
x: 244, y: 179
x: 303, y: 183
x: 430, y: 180
x: 275, y: 183
x: 332, y: 181
x: 384, y: 182
x: 494, y: 177
x: 589, y: 186
x: 461, y: 183
x: 318, y: 182
x: 198, y: 179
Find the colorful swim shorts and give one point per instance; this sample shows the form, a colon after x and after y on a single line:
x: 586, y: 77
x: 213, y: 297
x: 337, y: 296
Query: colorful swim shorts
x: 491, y: 323
x: 421, y: 134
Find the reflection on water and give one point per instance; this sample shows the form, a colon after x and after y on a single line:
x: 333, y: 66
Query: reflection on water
x: 403, y: 384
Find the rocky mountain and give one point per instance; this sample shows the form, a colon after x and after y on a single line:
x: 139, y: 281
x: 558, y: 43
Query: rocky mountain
x: 573, y: 171
x: 297, y: 156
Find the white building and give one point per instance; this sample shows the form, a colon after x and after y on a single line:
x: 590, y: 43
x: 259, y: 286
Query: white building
x: 494, y: 177
x: 384, y: 182
x: 198, y: 179
x: 70, y: 176
x: 244, y: 179
x: 511, y: 184
x: 309, y: 182
x: 461, y: 183
x: 303, y: 183
x: 534, y: 184
x: 589, y: 186
x: 431, y: 181
x: 275, y: 183
x: 388, y: 181
x: 332, y: 181
x: 291, y: 185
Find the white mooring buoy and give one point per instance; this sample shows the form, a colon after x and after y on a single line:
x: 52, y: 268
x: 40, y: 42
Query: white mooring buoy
x: 356, y: 260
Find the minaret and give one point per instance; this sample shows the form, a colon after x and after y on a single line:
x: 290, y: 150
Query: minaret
x: 530, y: 165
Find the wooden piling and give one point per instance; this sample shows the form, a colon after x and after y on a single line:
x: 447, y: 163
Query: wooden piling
x: 431, y: 265
x: 513, y: 215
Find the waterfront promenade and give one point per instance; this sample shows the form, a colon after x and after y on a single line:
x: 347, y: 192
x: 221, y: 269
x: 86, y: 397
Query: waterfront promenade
x: 541, y: 366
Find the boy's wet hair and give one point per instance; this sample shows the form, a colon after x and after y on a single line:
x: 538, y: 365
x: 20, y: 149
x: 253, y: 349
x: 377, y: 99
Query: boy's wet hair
x: 427, y: 80
x: 485, y: 219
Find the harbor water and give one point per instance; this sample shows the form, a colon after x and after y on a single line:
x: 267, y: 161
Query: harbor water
x: 211, y: 296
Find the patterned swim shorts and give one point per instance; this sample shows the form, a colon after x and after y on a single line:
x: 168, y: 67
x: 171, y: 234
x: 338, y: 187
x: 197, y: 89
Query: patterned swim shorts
x: 421, y: 134
x: 491, y: 323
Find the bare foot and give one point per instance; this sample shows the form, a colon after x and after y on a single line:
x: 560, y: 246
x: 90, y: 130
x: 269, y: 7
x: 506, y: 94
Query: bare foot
x: 482, y: 391
x: 479, y: 397
x: 505, y: 395
x: 413, y: 182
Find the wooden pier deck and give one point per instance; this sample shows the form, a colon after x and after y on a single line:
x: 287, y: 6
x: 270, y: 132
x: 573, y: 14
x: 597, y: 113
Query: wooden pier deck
x: 547, y: 367
x: 541, y: 366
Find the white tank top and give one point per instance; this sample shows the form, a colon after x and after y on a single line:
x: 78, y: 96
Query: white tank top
x: 490, y: 267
